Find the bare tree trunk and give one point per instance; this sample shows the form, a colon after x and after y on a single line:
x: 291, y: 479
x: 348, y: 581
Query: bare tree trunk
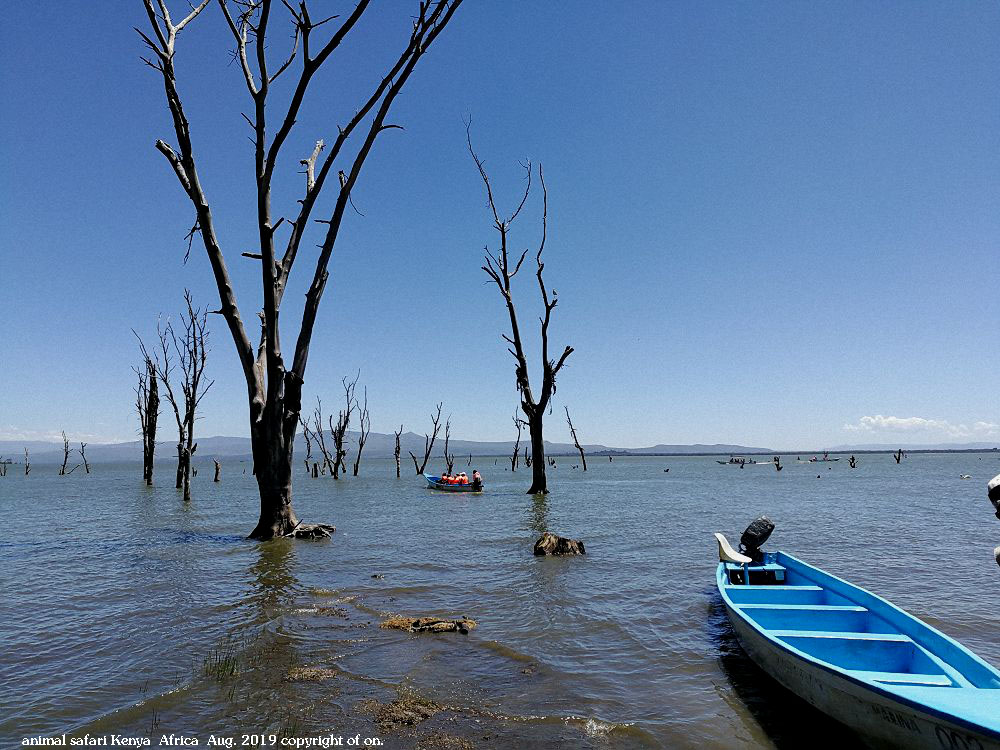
x: 572, y: 431
x: 339, y: 431
x: 27, y: 463
x: 398, y: 435
x: 320, y: 439
x: 365, y: 428
x: 147, y: 404
x: 501, y: 269
x: 218, y: 469
x: 428, y: 442
x: 62, y: 469
x: 274, y: 386
x: 308, y: 438
x: 83, y: 455
x: 527, y: 458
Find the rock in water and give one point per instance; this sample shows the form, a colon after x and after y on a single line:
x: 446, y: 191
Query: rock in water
x: 550, y: 544
x: 996, y: 555
x: 429, y: 625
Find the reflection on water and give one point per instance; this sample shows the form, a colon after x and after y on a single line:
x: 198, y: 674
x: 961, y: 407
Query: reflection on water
x: 171, y: 620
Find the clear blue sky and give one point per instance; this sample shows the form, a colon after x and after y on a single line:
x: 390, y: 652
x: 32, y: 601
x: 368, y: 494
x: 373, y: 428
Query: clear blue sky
x: 767, y: 222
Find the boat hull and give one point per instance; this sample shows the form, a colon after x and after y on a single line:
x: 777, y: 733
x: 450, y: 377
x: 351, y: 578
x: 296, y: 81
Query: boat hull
x: 885, y: 721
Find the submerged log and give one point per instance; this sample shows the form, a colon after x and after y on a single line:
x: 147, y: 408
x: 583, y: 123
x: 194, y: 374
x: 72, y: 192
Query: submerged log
x: 311, y: 531
x: 429, y: 625
x: 551, y: 544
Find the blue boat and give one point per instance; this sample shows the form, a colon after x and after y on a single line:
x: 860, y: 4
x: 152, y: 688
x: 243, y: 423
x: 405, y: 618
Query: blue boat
x: 856, y: 657
x: 435, y: 483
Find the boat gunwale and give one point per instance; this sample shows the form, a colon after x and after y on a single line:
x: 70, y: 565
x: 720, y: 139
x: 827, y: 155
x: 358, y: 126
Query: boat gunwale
x: 877, y: 688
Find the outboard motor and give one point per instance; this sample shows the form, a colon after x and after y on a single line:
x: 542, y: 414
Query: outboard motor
x: 754, y: 537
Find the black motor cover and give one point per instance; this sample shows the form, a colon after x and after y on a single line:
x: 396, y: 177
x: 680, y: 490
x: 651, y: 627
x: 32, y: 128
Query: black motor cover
x: 754, y: 537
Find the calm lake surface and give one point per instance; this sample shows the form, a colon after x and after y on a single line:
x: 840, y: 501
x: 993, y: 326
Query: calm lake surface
x: 126, y: 611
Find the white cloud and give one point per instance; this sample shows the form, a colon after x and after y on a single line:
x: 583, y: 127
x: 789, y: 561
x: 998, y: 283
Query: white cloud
x: 13, y: 433
x: 941, y: 427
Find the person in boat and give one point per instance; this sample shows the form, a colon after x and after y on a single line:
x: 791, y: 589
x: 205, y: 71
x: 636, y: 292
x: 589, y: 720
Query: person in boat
x: 443, y: 479
x: 477, y: 480
x: 463, y: 478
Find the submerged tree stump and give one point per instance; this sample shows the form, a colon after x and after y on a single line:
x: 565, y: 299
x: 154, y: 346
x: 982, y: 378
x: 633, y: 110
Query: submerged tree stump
x: 551, y: 544
x: 311, y: 531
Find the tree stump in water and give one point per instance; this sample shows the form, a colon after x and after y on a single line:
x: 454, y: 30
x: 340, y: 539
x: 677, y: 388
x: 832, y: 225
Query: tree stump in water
x: 551, y: 544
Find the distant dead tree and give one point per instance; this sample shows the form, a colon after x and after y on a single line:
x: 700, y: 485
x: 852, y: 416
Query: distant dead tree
x: 4, y: 463
x: 27, y: 463
x: 147, y: 404
x: 470, y: 460
x: 274, y: 386
x: 515, y: 456
x: 190, y: 347
x: 527, y: 459
x: 307, y: 436
x: 396, y: 454
x: 449, y: 458
x: 898, y: 455
x: 428, y: 441
x: 364, y: 429
x: 502, y: 269
x: 320, y: 439
x: 83, y: 455
x: 339, y: 431
x: 572, y: 431
x: 62, y: 469
x: 218, y: 470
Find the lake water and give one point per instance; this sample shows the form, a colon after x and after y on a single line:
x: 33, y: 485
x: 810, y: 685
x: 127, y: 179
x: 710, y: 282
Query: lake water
x: 126, y: 611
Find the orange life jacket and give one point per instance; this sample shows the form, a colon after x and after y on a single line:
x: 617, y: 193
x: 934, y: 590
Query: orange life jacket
x: 463, y: 480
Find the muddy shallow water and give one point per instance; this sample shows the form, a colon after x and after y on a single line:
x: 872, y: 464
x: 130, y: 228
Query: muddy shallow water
x: 125, y: 611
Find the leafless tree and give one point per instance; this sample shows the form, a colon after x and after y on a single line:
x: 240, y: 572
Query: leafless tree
x: 428, y: 442
x: 27, y: 463
x: 147, y: 404
x: 190, y: 347
x: 218, y: 470
x: 502, y: 269
x: 364, y: 429
x: 339, y: 431
x: 62, y: 469
x: 320, y: 439
x: 527, y: 459
x: 307, y: 436
x: 83, y: 455
x: 4, y: 463
x: 515, y: 456
x: 274, y: 388
x: 398, y: 435
x: 572, y: 431
x: 449, y: 458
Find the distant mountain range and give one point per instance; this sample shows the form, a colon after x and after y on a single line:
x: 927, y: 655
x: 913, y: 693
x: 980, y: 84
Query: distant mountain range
x: 381, y: 445
x: 378, y: 445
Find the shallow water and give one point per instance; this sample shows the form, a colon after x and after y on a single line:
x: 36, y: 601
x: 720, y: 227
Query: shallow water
x: 125, y: 610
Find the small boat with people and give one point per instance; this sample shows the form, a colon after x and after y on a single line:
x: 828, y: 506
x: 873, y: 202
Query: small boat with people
x: 740, y: 461
x: 826, y: 457
x: 853, y: 655
x: 455, y: 482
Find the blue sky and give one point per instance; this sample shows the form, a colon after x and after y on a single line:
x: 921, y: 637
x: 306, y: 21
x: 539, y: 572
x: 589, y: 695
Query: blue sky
x: 769, y: 224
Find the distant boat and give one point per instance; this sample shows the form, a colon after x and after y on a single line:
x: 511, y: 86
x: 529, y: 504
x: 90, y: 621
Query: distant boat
x: 858, y: 658
x: 740, y: 461
x: 435, y: 483
x: 826, y: 457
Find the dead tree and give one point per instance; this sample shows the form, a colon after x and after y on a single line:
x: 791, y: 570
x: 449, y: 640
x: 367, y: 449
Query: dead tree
x: 218, y: 470
x: 515, y: 457
x: 398, y: 435
x: 307, y: 436
x: 62, y: 469
x: 339, y: 431
x: 502, y: 269
x: 327, y: 462
x: 449, y: 458
x: 572, y: 431
x: 274, y: 386
x: 147, y: 404
x: 4, y: 463
x: 27, y: 463
x: 898, y: 455
x: 428, y: 442
x: 527, y: 459
x: 83, y: 455
x: 364, y: 429
x: 190, y: 347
